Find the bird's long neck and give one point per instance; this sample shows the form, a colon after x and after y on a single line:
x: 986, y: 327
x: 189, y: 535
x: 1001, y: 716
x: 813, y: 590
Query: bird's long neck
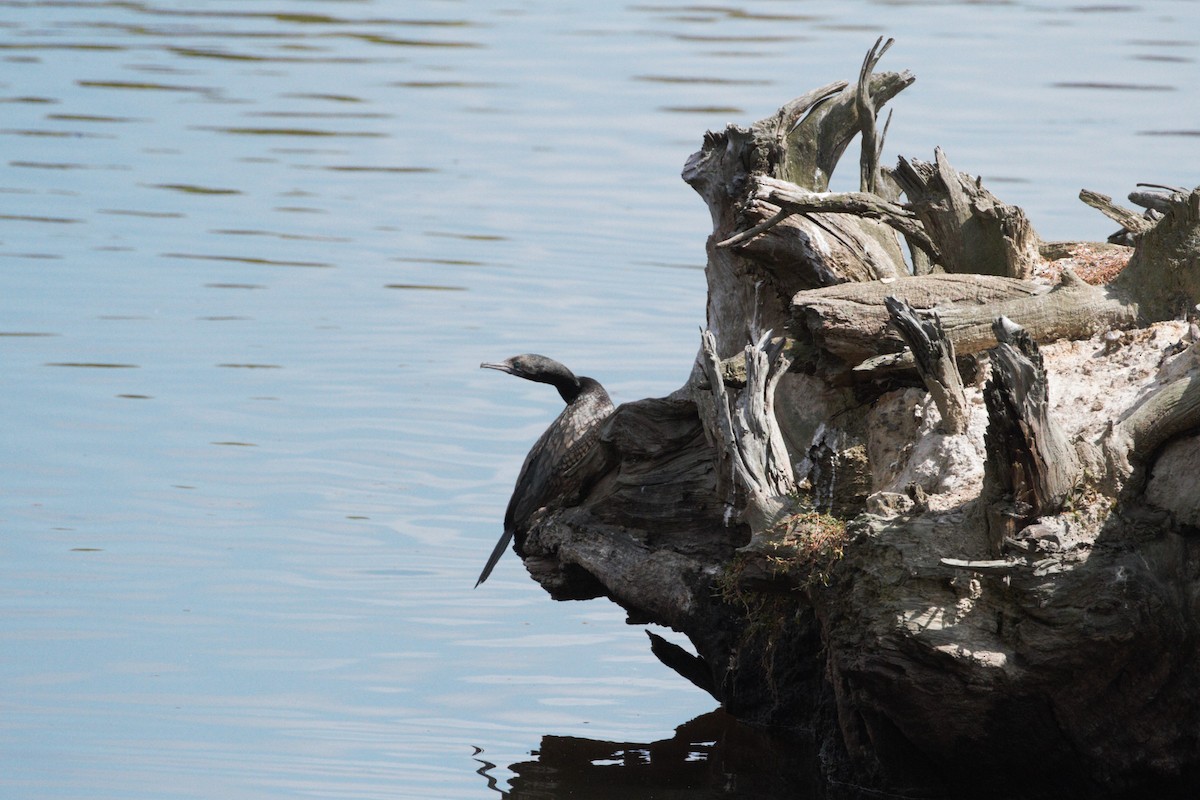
x: 568, y: 387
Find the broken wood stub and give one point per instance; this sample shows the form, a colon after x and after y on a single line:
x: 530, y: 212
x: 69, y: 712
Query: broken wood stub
x: 1163, y: 275
x: 974, y: 230
x: 933, y: 352
x: 1031, y: 466
x: 1131, y: 221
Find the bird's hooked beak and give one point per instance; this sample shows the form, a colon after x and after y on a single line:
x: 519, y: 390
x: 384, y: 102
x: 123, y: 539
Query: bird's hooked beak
x: 503, y: 366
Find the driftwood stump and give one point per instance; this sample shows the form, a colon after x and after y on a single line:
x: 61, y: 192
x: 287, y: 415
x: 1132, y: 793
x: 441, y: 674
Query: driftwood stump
x: 975, y: 232
x: 945, y: 516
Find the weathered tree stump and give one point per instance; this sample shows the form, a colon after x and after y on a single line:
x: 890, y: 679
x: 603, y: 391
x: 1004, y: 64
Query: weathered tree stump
x: 1164, y: 271
x: 1005, y: 599
x: 801, y: 144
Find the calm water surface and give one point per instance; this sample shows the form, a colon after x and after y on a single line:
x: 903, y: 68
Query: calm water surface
x: 251, y: 254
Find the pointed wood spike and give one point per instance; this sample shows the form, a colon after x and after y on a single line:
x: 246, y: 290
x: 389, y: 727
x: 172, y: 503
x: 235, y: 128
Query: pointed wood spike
x: 1031, y: 466
x: 933, y: 352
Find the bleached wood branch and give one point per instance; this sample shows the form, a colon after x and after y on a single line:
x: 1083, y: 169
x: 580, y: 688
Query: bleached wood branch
x: 872, y: 142
x: 1131, y: 221
x: 851, y: 320
x: 792, y: 199
x: 748, y: 431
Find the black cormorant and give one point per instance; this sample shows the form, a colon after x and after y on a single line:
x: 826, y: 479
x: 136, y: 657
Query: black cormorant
x: 548, y: 468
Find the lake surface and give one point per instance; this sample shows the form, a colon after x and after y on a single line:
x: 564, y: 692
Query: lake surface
x: 251, y: 255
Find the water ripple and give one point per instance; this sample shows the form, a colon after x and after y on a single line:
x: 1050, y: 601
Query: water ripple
x: 265, y: 262
x: 1170, y: 133
x: 145, y: 86
x: 1113, y: 86
x: 309, y: 132
x: 425, y: 287
x: 91, y: 365
x: 188, y: 188
x: 36, y: 218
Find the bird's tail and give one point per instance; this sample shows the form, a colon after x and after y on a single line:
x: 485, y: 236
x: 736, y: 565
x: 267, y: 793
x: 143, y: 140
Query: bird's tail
x: 501, y: 546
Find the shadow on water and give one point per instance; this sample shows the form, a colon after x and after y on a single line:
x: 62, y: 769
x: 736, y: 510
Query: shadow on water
x: 713, y: 755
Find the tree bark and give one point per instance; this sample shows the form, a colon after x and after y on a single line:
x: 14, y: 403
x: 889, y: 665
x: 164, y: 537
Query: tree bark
x: 774, y: 201
x: 746, y: 430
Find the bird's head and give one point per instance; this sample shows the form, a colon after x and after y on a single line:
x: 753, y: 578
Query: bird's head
x: 534, y: 367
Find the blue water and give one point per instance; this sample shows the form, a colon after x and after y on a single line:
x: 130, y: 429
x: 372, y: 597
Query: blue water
x: 251, y: 255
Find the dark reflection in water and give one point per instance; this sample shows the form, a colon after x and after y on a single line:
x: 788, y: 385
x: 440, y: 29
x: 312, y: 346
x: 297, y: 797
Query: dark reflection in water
x: 711, y: 756
x: 715, y: 756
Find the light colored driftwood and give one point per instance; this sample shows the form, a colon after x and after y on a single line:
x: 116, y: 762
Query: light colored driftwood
x: 1131, y: 221
x: 1031, y: 465
x: 783, y: 198
x: 817, y: 141
x: 933, y: 352
x: 719, y: 159
x: 1090, y: 655
x: 1157, y: 198
x: 974, y: 231
x: 998, y: 566
x: 851, y: 321
x: 1132, y: 443
x: 1167, y: 413
x: 872, y: 141
x: 804, y: 251
x: 746, y: 430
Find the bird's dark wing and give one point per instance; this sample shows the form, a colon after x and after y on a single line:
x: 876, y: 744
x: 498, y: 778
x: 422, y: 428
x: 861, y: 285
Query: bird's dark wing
x: 550, y: 468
